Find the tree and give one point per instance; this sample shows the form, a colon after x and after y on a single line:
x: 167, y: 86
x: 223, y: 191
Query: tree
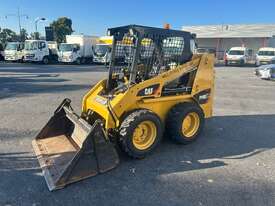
x: 62, y: 27
x: 24, y: 35
x: 7, y: 35
x: 35, y: 35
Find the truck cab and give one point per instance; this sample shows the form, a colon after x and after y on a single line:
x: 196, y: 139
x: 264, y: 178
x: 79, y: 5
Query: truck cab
x: 238, y: 56
x: 36, y: 51
x: 265, y: 55
x: 102, y: 50
x: 14, y: 51
x: 69, y: 53
x: 101, y: 53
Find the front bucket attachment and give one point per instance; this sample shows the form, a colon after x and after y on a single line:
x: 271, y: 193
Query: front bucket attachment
x: 69, y: 149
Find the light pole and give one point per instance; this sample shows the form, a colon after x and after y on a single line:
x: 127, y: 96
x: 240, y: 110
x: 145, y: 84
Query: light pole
x: 35, y: 22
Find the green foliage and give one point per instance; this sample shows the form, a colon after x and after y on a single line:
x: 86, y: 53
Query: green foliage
x: 24, y: 35
x: 62, y: 27
x: 7, y: 35
x: 35, y: 35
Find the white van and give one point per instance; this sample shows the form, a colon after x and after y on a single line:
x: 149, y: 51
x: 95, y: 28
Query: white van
x: 238, y: 56
x: 265, y: 55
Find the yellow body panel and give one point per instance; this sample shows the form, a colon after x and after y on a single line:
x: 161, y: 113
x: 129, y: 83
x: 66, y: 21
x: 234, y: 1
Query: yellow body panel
x: 112, y: 110
x: 105, y: 40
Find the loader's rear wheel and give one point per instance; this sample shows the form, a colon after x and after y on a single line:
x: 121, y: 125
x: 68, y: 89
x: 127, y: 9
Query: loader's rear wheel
x: 140, y: 132
x: 185, y: 122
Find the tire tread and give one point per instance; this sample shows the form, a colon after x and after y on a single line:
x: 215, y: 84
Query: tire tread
x: 174, y: 121
x: 126, y: 124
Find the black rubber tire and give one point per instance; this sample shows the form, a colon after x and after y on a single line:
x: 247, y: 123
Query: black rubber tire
x: 21, y: 60
x: 226, y: 63
x: 175, y: 118
x: 45, y: 60
x: 83, y: 61
x: 127, y: 128
x: 78, y: 61
x: 242, y: 64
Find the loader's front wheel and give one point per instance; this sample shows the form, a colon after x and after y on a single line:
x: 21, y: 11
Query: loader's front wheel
x: 140, y: 132
x: 185, y: 122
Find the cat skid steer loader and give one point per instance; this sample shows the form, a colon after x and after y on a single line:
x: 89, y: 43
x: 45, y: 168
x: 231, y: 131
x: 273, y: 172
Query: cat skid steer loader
x: 163, y: 87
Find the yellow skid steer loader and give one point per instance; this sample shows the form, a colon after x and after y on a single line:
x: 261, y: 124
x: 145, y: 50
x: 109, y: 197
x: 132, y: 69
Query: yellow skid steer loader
x: 159, y: 86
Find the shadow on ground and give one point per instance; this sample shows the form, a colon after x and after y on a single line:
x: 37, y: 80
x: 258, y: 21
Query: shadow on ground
x: 36, y: 68
x: 172, y: 175
x: 22, y: 85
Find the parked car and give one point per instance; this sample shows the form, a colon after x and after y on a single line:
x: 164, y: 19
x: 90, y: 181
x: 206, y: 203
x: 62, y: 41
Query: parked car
x: 265, y: 55
x: 266, y: 72
x: 201, y: 50
x: 238, y: 56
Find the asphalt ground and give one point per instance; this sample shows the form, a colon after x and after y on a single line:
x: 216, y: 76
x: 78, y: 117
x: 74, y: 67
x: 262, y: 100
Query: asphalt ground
x: 232, y: 163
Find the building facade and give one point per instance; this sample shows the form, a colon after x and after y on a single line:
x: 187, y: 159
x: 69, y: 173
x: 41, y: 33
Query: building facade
x: 223, y: 37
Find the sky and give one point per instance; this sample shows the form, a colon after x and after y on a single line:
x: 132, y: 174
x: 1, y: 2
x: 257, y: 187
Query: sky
x: 93, y: 17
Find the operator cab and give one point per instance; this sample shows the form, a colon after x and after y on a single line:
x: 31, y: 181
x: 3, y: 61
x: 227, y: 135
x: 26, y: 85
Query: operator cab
x: 148, y: 52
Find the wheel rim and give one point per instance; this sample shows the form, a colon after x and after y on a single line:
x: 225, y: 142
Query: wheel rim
x: 144, y: 135
x: 190, y: 124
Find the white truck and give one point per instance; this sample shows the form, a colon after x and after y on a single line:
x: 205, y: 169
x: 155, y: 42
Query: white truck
x: 102, y: 50
x: 265, y: 55
x: 238, y: 56
x: 77, y: 49
x: 40, y: 51
x: 14, y: 51
x: 1, y: 52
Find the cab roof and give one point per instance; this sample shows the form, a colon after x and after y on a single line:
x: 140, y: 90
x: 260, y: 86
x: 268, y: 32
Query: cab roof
x: 267, y: 49
x: 33, y: 40
x: 238, y: 48
x: 147, y: 32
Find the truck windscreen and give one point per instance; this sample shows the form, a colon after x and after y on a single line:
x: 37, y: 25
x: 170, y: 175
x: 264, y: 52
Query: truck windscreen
x: 31, y: 45
x: 101, y: 49
x: 66, y: 47
x: 11, y: 46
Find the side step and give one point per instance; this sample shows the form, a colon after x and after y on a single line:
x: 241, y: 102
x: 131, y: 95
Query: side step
x: 69, y: 149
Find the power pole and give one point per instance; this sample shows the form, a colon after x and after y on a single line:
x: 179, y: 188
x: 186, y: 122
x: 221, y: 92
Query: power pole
x: 19, y: 22
x: 19, y: 16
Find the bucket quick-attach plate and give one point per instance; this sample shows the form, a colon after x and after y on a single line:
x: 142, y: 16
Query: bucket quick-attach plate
x: 69, y: 149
